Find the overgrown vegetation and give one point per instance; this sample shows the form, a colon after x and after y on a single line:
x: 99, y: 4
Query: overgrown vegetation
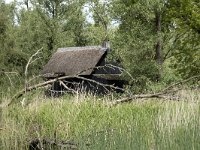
x: 89, y: 123
x: 156, y: 42
x: 147, y: 37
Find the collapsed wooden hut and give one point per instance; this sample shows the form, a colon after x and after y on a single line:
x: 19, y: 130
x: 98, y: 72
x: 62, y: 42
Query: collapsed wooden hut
x: 86, y: 68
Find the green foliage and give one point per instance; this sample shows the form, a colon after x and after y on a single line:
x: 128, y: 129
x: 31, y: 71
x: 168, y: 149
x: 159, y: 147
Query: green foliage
x: 47, y: 25
x: 134, y: 41
x: 185, y: 21
x: 50, y: 24
x: 93, y: 125
x: 10, y: 58
x: 187, y: 55
x: 136, y: 37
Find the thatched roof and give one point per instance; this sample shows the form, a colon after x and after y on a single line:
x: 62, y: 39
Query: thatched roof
x: 73, y: 61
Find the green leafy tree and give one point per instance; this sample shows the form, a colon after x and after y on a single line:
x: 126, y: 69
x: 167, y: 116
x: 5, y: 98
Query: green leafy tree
x: 184, y: 21
x: 139, y: 40
x: 10, y: 58
x: 49, y: 24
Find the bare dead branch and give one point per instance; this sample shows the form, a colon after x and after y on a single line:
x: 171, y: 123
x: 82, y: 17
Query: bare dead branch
x: 126, y: 99
x: 155, y: 95
x: 30, y: 88
x: 98, y: 83
x: 8, y: 75
x: 30, y: 61
x: 180, y: 82
x: 63, y: 84
x: 5, y: 72
x: 131, y: 98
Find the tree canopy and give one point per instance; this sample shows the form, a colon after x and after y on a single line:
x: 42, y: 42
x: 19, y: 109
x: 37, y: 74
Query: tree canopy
x: 154, y: 40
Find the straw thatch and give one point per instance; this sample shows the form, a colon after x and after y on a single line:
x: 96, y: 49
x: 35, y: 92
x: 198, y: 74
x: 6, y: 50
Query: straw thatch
x: 73, y: 60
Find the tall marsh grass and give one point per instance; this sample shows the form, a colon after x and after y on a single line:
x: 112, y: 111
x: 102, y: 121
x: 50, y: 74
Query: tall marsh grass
x: 91, y: 124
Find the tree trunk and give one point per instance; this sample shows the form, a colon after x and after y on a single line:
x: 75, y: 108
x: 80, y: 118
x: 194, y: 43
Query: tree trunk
x: 158, y: 48
x: 27, y: 4
x: 1, y: 118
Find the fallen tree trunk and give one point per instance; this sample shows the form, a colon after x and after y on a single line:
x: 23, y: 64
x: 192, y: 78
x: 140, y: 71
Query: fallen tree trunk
x: 34, y: 87
x: 123, y: 100
x: 30, y: 88
x: 141, y: 96
x: 161, y: 94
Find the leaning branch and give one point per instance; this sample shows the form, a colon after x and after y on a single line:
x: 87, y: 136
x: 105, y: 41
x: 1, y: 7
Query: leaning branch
x: 43, y: 84
x: 67, y: 88
x: 161, y: 94
x: 30, y: 88
x: 131, y: 98
x: 180, y: 82
x: 123, y: 100
x: 30, y: 61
